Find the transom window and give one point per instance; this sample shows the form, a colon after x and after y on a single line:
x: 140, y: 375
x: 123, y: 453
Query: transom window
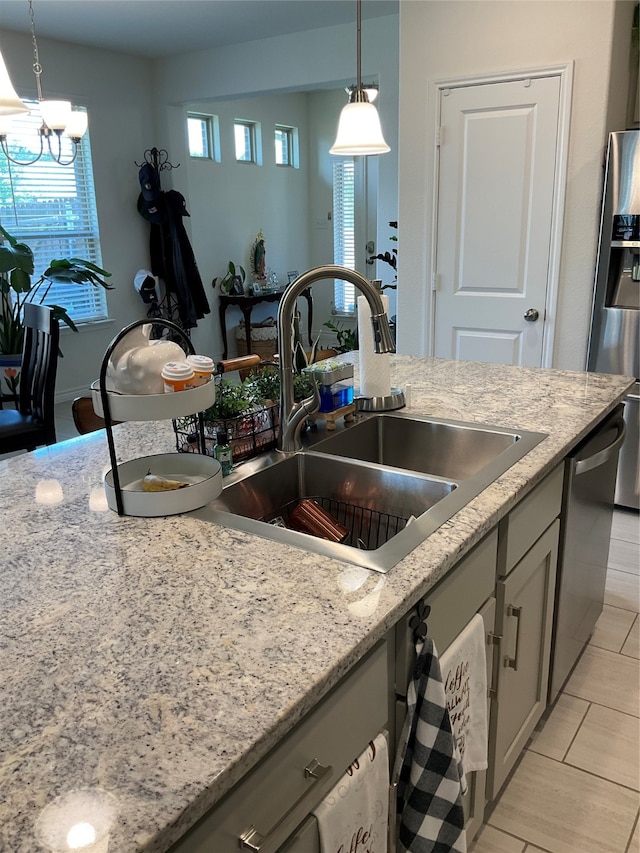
x: 285, y: 144
x: 52, y: 208
x: 203, y: 134
x: 245, y: 139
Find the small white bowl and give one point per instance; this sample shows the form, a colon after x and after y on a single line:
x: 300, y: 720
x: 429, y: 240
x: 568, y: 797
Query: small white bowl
x: 203, y: 473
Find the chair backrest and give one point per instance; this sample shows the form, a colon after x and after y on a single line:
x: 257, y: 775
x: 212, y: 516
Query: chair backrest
x: 39, y: 367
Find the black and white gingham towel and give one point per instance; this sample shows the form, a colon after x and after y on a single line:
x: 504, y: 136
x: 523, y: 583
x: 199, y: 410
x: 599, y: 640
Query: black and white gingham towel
x: 428, y: 771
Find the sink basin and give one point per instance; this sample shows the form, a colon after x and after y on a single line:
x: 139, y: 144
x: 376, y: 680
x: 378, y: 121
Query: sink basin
x: 390, y: 479
x: 378, y: 505
x: 442, y: 448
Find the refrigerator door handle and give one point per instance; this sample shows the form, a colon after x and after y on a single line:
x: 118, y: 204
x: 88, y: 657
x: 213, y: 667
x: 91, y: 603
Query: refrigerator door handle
x: 601, y: 456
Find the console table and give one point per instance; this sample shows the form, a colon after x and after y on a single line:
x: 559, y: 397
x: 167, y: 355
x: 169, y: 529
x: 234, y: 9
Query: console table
x: 246, y: 303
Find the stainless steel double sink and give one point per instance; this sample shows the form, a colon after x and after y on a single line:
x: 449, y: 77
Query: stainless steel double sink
x: 391, y: 479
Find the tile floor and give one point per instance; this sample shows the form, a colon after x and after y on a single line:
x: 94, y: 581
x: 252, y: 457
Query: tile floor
x: 577, y: 787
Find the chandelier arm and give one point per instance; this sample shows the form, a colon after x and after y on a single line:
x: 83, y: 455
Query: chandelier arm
x: 5, y: 151
x: 58, y: 157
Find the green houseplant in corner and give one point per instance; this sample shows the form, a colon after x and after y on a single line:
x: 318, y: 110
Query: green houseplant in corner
x: 16, y: 289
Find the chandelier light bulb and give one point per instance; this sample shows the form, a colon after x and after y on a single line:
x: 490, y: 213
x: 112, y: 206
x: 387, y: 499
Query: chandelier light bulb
x: 77, y: 125
x: 56, y: 114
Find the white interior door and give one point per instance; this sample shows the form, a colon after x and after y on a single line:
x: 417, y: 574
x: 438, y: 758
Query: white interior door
x: 497, y: 163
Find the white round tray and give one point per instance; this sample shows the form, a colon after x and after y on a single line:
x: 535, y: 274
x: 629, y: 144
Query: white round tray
x: 202, y: 472
x: 154, y: 407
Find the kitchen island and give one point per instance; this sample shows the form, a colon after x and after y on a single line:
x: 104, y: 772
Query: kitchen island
x: 156, y: 661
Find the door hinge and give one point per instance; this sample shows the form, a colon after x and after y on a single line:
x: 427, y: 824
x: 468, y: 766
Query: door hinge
x: 438, y: 137
x: 435, y: 281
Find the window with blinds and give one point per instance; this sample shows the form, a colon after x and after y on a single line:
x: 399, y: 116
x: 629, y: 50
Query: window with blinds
x: 52, y: 208
x: 344, y: 249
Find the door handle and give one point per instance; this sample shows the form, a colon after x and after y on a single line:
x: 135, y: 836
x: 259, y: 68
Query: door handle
x: 513, y: 662
x: 252, y: 840
x: 531, y: 315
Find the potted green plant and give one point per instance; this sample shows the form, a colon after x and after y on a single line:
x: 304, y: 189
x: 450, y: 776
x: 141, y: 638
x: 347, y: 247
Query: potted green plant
x: 347, y: 338
x: 16, y: 289
x: 232, y: 281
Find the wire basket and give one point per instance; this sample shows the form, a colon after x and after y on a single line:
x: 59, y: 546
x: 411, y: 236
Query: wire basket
x: 369, y: 528
x: 249, y: 434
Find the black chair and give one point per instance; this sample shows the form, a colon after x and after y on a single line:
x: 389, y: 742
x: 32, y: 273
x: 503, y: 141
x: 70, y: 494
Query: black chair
x: 32, y: 422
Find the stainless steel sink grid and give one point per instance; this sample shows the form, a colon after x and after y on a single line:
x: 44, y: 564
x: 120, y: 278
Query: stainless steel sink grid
x: 391, y: 478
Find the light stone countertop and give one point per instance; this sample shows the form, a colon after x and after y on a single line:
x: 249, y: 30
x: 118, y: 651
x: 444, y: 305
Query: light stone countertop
x: 155, y: 661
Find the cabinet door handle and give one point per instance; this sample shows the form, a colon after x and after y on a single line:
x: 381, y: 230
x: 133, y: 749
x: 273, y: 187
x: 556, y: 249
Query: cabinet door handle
x: 513, y: 662
x: 251, y: 839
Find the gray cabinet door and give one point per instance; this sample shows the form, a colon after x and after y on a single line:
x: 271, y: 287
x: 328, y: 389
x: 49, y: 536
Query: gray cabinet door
x: 524, y: 619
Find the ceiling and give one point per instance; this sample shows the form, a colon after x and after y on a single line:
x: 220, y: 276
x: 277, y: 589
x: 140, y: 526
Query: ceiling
x: 158, y: 28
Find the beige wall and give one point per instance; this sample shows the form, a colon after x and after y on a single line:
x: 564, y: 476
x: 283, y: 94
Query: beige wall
x: 440, y: 39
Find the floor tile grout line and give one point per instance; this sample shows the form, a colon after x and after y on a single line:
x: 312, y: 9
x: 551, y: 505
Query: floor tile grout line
x: 575, y: 735
x: 603, y: 778
x: 608, y: 707
x: 628, y: 849
x: 525, y: 841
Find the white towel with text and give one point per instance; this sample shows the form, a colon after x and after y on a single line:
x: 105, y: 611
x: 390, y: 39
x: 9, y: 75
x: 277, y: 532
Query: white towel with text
x: 354, y: 815
x: 464, y: 676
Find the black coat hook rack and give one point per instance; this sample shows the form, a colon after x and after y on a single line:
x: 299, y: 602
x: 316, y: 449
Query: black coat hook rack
x: 158, y: 158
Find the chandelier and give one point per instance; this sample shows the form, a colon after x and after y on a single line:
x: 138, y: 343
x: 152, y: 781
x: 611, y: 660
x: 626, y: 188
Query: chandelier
x: 359, y: 130
x: 58, y: 117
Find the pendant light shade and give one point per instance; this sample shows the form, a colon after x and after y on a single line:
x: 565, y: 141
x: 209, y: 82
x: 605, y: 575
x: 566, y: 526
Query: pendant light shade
x: 359, y: 130
x: 55, y: 114
x: 10, y: 103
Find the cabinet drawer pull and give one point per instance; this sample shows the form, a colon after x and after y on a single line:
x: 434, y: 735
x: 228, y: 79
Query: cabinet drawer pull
x: 251, y: 839
x: 513, y: 662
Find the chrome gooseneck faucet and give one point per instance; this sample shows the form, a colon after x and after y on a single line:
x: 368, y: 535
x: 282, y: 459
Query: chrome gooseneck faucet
x: 292, y: 414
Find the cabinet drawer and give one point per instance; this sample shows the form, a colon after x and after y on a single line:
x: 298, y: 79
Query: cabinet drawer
x: 334, y: 733
x: 528, y: 520
x: 453, y: 601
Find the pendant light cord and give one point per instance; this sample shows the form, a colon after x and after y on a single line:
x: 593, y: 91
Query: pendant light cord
x: 37, y: 68
x: 358, y: 47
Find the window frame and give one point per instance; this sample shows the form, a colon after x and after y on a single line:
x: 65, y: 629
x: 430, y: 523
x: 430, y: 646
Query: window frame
x: 293, y: 148
x: 211, y: 134
x: 254, y: 141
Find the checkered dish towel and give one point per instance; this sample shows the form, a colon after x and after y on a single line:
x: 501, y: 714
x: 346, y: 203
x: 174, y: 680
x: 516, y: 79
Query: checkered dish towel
x: 428, y: 771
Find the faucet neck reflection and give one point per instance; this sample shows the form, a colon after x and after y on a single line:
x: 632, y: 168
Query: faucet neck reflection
x: 292, y: 414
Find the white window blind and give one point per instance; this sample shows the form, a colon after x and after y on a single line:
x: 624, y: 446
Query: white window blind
x: 52, y: 208
x: 344, y: 249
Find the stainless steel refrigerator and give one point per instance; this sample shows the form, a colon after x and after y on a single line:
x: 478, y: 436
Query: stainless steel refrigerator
x: 614, y: 345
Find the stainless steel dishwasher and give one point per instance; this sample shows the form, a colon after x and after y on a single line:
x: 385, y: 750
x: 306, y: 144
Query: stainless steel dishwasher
x: 589, y: 486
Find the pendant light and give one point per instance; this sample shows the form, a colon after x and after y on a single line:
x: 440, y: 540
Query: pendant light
x: 359, y: 130
x: 58, y: 117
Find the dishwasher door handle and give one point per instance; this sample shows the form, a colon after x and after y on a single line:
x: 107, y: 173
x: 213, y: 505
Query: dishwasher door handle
x: 602, y: 456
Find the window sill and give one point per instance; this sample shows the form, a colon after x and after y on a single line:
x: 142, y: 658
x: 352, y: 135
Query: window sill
x: 86, y: 326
